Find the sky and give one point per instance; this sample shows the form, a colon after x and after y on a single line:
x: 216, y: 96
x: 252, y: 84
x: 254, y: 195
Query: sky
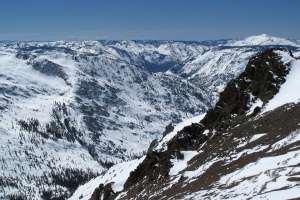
x: 194, y: 20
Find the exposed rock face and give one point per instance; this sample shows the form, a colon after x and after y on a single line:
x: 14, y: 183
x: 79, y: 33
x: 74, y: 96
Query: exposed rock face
x: 262, y: 78
x: 155, y: 168
x: 168, y: 129
x: 231, y: 130
x: 49, y: 68
x: 208, y: 174
x: 103, y: 192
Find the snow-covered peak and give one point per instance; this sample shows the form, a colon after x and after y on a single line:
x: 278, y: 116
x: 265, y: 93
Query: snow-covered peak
x: 262, y: 39
x: 289, y: 91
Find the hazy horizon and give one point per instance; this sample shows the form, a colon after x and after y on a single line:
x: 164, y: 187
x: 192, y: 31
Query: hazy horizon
x: 171, y: 20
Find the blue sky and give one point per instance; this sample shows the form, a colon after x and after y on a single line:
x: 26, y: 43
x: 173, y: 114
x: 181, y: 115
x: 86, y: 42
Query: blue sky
x: 151, y: 19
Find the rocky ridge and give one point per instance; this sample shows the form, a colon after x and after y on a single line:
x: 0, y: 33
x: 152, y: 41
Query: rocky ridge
x: 225, y: 155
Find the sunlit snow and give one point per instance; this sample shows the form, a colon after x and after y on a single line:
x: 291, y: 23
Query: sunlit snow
x: 289, y: 91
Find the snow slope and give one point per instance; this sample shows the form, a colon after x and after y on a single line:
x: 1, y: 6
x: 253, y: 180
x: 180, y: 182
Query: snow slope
x: 117, y: 175
x: 70, y: 110
x: 289, y: 91
x: 67, y: 108
x: 255, y: 158
x: 214, y: 68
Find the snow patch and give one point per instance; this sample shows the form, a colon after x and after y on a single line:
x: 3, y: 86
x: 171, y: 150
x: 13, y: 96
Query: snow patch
x: 162, y: 146
x: 262, y: 165
x: 290, y: 139
x: 201, y: 170
x: 290, y: 193
x: 117, y: 175
x: 234, y: 157
x: 289, y: 91
x: 179, y: 165
x: 256, y: 137
x: 257, y: 103
x: 206, y: 132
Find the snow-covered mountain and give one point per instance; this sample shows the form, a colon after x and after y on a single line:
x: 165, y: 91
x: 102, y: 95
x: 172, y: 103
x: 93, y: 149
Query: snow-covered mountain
x: 262, y: 39
x: 222, y: 62
x: 246, y: 147
x: 70, y: 110
x: 80, y: 112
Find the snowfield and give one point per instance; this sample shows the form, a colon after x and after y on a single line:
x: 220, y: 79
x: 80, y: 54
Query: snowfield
x: 70, y: 111
x: 117, y: 175
x: 262, y: 39
x: 289, y: 91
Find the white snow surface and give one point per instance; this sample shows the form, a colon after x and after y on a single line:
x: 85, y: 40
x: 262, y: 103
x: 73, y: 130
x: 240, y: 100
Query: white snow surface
x: 127, y: 106
x: 260, y: 170
x: 179, y: 165
x: 290, y: 139
x: 128, y: 129
x: 289, y: 92
x: 162, y: 145
x: 266, y: 178
x: 215, y: 67
x: 262, y: 39
x: 256, y: 137
x: 117, y: 175
x: 257, y: 103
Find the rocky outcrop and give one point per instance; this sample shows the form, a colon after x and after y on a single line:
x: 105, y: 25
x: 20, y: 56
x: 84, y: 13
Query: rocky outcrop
x: 155, y: 166
x: 264, y: 75
x: 261, y: 79
x: 48, y: 68
x: 242, y: 147
x: 103, y: 192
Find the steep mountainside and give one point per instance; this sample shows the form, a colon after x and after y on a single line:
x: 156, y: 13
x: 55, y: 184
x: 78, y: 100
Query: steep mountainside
x: 79, y: 113
x: 70, y: 110
x: 246, y: 147
x: 225, y: 61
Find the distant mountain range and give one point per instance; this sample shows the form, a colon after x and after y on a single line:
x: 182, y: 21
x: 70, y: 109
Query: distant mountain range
x: 70, y: 110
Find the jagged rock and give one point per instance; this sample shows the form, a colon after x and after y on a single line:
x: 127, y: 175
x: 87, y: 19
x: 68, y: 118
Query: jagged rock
x: 155, y: 167
x: 103, y: 192
x: 169, y: 129
x: 262, y: 78
x: 228, y: 120
x: 23, y: 56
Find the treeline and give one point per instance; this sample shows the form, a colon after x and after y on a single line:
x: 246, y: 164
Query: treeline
x: 60, y: 127
x: 58, y: 184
